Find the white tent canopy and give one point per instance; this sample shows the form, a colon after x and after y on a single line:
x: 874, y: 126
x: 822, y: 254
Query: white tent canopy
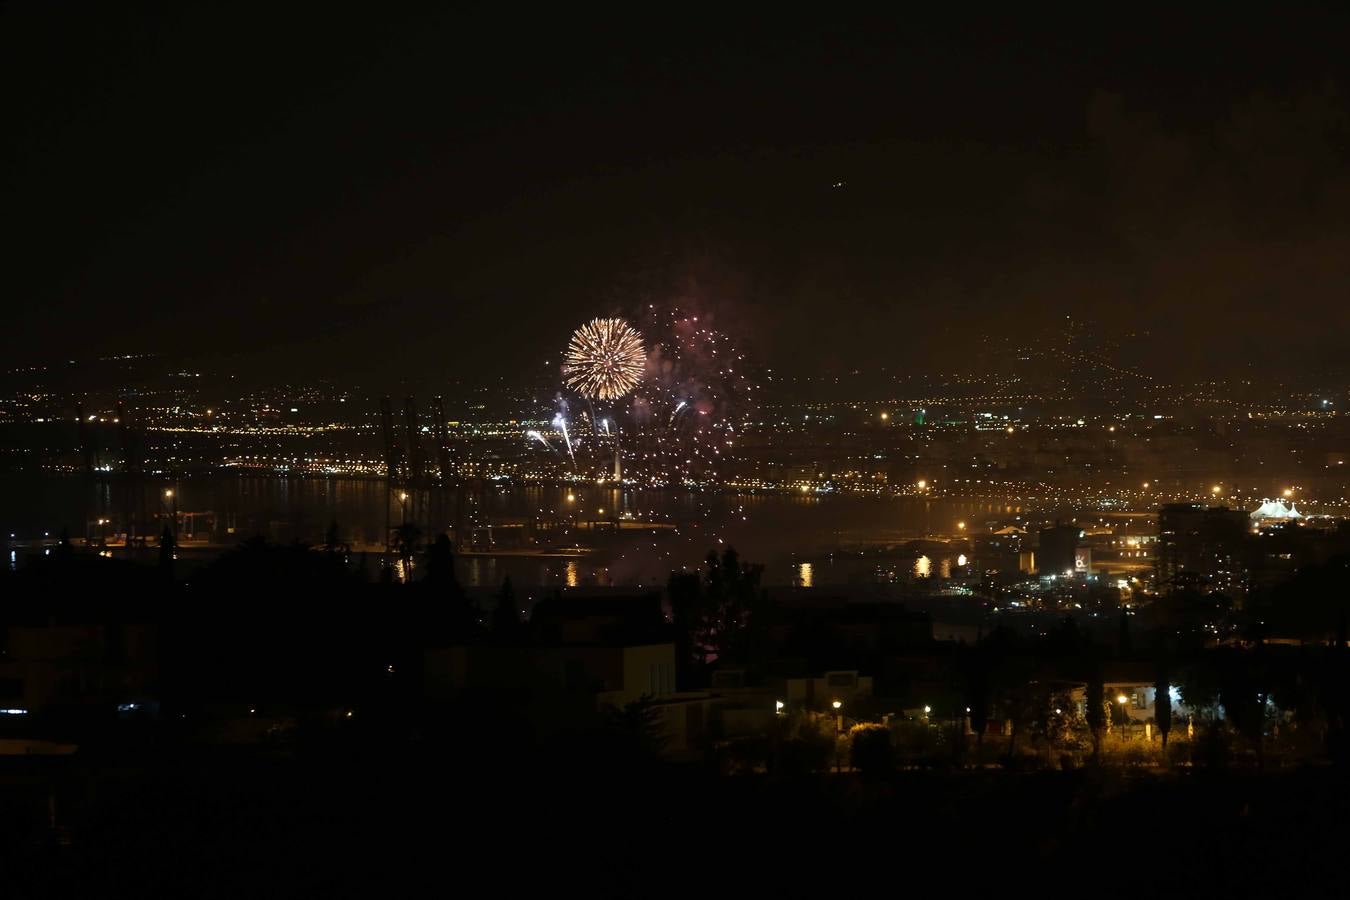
x: 1275, y: 509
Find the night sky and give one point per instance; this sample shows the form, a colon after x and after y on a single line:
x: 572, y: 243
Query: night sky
x: 366, y: 192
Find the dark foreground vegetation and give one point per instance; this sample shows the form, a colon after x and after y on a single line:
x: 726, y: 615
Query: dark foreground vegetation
x: 356, y: 820
x: 263, y: 728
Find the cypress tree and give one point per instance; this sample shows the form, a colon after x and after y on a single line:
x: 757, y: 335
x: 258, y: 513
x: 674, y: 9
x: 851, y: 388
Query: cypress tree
x: 1093, y: 711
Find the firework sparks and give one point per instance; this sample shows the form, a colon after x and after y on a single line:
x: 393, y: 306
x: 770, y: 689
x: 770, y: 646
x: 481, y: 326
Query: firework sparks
x: 560, y: 423
x: 534, y: 435
x: 605, y: 359
x: 673, y: 409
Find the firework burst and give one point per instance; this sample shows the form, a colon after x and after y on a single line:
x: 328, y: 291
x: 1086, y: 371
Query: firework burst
x: 693, y: 400
x: 673, y: 410
x: 605, y: 359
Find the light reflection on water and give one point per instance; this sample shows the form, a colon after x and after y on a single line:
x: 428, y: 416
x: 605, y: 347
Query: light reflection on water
x: 791, y: 535
x: 923, y: 566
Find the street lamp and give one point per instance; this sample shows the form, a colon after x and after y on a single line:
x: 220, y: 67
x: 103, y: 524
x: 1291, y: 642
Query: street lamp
x: 1124, y: 715
x: 403, y: 504
x: 173, y: 502
x: 838, y: 730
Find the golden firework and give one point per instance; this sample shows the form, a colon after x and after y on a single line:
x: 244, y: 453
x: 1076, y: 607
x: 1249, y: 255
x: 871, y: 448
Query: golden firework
x: 605, y: 359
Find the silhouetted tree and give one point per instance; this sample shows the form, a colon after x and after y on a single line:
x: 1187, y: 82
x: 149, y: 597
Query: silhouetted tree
x: 713, y: 615
x: 256, y: 563
x: 686, y: 609
x: 1243, y: 694
x: 1093, y: 712
x: 1199, y: 690
x: 1162, y: 705
x: 801, y: 743
x: 1022, y: 699
x: 1056, y: 725
x: 977, y: 695
x: 440, y: 561
x: 332, y: 541
x: 167, y: 546
x: 871, y: 749
x: 406, y: 538
x: 732, y: 591
x: 1313, y: 605
x: 506, y: 614
x: 451, y: 606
